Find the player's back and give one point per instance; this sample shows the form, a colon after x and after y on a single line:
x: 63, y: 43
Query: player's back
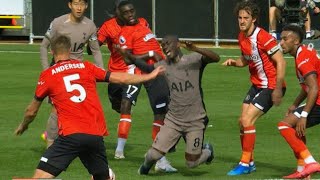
x: 71, y: 85
x: 183, y: 79
x: 79, y: 33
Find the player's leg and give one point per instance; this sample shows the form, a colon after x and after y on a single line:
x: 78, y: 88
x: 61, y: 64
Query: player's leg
x: 57, y: 157
x: 196, y: 153
x: 128, y: 95
x: 274, y: 15
x: 260, y: 102
x: 307, y: 25
x: 306, y: 163
x: 158, y: 93
x: 93, y: 157
x: 166, y: 139
x: 51, y: 132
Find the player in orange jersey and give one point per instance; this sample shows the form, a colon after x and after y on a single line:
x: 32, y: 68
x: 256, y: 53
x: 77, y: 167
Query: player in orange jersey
x: 260, y: 52
x: 301, y: 116
x: 71, y: 85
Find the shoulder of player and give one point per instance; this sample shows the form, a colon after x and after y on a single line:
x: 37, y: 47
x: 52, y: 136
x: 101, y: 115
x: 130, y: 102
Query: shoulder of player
x: 62, y: 18
x: 88, y: 21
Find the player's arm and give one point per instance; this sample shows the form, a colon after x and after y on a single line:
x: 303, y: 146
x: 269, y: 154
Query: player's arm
x: 207, y: 55
x: 125, y: 78
x: 95, y: 49
x: 151, y: 54
x: 44, y: 52
x: 299, y: 99
x: 241, y: 62
x: 312, y: 83
x: 129, y: 58
x: 29, y: 115
x: 278, y: 59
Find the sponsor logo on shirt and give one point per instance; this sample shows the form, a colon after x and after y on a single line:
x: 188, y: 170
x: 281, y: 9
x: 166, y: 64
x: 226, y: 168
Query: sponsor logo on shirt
x: 148, y: 37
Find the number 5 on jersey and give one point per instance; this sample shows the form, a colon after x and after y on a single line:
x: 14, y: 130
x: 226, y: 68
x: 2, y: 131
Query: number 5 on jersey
x: 71, y: 87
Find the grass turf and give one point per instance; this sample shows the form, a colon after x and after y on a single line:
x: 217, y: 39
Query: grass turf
x: 224, y: 88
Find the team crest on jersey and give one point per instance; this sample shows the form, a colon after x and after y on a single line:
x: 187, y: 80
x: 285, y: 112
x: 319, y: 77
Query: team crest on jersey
x: 93, y: 37
x: 122, y: 40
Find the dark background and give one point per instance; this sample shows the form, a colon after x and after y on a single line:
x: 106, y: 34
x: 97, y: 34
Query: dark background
x: 187, y: 18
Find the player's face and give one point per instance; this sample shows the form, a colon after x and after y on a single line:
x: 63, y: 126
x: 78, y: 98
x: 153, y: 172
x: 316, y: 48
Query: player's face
x: 170, y: 47
x: 288, y: 42
x: 246, y: 22
x: 78, y: 8
x: 127, y: 14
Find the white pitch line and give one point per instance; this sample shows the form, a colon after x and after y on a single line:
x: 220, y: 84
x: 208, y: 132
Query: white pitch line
x: 37, y: 52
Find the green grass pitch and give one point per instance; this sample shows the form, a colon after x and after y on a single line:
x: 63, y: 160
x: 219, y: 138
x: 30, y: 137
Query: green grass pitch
x: 224, y: 88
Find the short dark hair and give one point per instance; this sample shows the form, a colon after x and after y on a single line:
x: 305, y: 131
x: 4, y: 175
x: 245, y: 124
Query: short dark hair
x: 61, y: 44
x: 123, y: 3
x: 250, y: 6
x: 171, y: 36
x: 117, y: 2
x: 295, y: 29
x: 82, y: 0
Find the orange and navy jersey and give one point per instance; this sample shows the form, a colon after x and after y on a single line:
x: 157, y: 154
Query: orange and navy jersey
x: 140, y: 40
x: 257, y: 50
x: 307, y: 61
x: 71, y: 85
x: 109, y: 33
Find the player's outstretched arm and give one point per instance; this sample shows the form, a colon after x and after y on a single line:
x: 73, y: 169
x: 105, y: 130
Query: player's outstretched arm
x: 125, y: 78
x: 241, y: 62
x: 29, y: 115
x: 208, y: 55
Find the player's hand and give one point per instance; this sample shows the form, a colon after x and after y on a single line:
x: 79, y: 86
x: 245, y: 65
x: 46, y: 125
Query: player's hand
x: 301, y: 126
x: 158, y: 71
x: 20, y: 130
x: 127, y: 57
x: 157, y: 57
x: 303, y: 10
x: 229, y: 62
x: 189, y: 45
x: 276, y: 97
x: 291, y: 110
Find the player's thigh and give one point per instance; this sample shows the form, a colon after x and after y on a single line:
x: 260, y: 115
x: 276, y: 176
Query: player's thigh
x: 131, y: 92
x: 158, y: 93
x: 194, y: 142
x: 93, y: 154
x: 115, y: 96
x: 313, y: 117
x: 166, y: 138
x: 59, y: 155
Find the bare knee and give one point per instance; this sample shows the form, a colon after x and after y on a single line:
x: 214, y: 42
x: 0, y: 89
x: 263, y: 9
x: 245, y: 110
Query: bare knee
x: 42, y: 174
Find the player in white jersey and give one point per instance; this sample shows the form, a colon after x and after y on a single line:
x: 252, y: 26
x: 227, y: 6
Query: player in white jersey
x: 81, y: 31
